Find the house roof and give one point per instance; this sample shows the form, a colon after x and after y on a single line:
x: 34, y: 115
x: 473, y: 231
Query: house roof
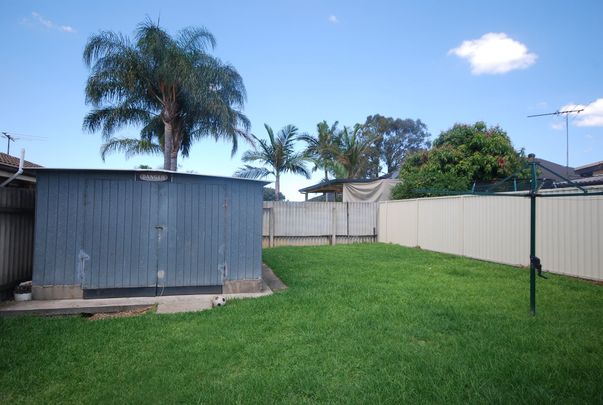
x: 589, y: 168
x: 12, y: 161
x: 557, y: 168
x: 582, y: 181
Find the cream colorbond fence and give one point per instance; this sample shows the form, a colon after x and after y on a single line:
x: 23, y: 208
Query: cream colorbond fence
x: 569, y: 230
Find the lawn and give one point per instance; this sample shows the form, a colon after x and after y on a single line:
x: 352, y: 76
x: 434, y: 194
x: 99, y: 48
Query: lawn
x: 358, y: 324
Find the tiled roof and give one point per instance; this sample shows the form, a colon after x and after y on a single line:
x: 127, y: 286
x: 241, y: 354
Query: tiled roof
x: 12, y: 161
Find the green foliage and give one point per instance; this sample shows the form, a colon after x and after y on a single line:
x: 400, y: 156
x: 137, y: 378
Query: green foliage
x: 459, y: 157
x: 395, y: 139
x: 276, y: 155
x: 170, y: 87
x: 351, y: 154
x: 270, y: 195
x: 359, y: 324
x: 322, y: 148
x: 340, y: 153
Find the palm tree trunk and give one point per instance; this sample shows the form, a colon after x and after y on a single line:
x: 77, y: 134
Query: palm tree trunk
x: 174, y: 159
x: 277, y: 186
x: 168, y: 145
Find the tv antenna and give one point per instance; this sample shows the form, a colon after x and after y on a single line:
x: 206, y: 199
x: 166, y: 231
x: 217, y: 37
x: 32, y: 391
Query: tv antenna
x: 12, y: 137
x: 9, y: 139
x: 566, y: 113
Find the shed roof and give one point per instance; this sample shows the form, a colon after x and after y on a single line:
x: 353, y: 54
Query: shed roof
x: 336, y: 185
x: 331, y: 186
x: 56, y: 169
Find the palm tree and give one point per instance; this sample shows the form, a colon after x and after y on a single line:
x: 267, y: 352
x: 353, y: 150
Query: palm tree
x: 351, y: 158
x: 171, y: 87
x: 322, y: 148
x: 276, y: 155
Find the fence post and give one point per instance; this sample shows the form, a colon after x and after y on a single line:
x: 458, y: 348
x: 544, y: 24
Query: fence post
x: 271, y: 226
x: 334, y: 226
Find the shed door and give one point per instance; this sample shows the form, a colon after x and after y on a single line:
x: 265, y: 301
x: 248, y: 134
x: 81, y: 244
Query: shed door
x: 153, y: 235
x: 192, y: 249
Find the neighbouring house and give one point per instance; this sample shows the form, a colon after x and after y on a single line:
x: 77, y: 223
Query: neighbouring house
x: 562, y: 171
x: 354, y: 190
x: 9, y: 166
x: 586, y: 175
x: 117, y: 233
x: 17, y: 199
x: 590, y: 170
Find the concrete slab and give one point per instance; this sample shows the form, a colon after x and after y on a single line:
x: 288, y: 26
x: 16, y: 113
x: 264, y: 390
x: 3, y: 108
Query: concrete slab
x: 271, y: 280
x: 165, y: 305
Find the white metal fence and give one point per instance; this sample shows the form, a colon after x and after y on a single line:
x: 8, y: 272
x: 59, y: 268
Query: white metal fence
x: 318, y: 223
x: 569, y: 230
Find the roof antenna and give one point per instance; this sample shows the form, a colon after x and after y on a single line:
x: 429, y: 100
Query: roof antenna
x: 567, y: 113
x: 9, y: 139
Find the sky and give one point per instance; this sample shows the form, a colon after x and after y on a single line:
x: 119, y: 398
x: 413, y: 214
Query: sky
x: 303, y: 62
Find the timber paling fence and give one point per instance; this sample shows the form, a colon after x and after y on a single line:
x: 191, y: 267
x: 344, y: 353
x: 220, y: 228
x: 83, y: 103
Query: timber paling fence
x: 318, y: 223
x: 569, y: 230
x: 16, y: 237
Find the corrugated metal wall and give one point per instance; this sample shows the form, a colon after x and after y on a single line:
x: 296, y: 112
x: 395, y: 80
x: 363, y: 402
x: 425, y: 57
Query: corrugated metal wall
x: 568, y: 229
x: 107, y: 230
x: 16, y: 237
x: 315, y: 223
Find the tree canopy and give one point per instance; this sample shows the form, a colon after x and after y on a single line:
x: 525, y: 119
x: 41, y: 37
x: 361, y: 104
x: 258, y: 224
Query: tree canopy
x: 276, y: 155
x: 351, y: 153
x: 460, y: 156
x: 395, y: 138
x: 322, y: 148
x: 270, y: 195
x: 171, y: 87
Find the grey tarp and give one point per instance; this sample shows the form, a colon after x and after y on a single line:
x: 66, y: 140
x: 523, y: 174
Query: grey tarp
x: 378, y: 190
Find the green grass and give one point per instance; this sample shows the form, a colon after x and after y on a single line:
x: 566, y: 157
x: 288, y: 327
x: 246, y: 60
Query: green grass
x: 359, y: 324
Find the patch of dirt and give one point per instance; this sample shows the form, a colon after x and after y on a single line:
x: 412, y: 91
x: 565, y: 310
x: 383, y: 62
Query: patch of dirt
x: 124, y: 314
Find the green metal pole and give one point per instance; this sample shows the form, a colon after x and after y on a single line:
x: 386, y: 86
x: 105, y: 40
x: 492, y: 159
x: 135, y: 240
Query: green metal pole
x: 533, y: 190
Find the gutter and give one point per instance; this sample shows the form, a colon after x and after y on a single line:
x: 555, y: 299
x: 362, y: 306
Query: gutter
x: 19, y: 172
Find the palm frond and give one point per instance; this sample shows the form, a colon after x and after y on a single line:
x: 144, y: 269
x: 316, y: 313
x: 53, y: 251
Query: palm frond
x: 130, y: 147
x: 251, y: 172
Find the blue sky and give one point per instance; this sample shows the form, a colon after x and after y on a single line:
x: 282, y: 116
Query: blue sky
x: 307, y: 61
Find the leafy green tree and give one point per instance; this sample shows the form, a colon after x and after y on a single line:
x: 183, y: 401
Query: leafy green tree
x: 460, y: 156
x: 351, y: 153
x: 395, y: 139
x: 170, y: 86
x: 270, y: 195
x: 321, y: 149
x: 276, y: 155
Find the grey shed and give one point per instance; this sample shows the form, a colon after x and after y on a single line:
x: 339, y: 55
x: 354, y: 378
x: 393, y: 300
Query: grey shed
x: 117, y: 233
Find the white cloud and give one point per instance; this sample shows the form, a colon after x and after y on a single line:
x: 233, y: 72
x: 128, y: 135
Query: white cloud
x: 40, y: 20
x: 333, y: 19
x: 592, y: 116
x: 494, y: 53
x: 66, y: 28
